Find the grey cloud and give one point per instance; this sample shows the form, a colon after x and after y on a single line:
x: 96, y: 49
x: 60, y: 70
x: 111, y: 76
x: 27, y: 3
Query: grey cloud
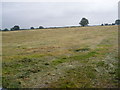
x: 56, y: 14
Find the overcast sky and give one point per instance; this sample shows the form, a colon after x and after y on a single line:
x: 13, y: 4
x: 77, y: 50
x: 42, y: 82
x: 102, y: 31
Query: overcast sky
x: 35, y: 14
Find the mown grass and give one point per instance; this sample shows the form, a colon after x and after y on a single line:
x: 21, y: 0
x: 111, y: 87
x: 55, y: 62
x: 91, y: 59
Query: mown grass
x: 81, y: 58
x: 87, y: 74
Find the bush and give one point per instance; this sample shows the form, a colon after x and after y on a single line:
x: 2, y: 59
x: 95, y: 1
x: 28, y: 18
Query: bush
x: 5, y: 29
x: 106, y: 24
x: 15, y: 28
x: 41, y: 27
x: 32, y: 28
x: 117, y: 22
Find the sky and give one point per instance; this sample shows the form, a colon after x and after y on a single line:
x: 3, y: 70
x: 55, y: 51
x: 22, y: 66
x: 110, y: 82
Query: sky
x: 61, y: 13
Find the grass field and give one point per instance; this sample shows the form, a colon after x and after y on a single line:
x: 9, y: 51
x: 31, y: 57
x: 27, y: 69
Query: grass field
x: 79, y: 57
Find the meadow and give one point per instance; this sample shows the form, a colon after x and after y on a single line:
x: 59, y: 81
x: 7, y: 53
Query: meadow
x: 78, y: 57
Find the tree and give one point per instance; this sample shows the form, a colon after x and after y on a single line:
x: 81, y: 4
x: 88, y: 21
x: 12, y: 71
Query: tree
x: 15, y: 28
x: 41, y: 27
x: 84, y: 22
x: 106, y: 24
x: 117, y: 22
x: 113, y: 23
x: 5, y: 29
x: 12, y: 29
x: 102, y: 24
x: 32, y: 28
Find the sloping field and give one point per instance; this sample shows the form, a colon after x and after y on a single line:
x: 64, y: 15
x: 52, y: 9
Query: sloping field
x: 79, y: 57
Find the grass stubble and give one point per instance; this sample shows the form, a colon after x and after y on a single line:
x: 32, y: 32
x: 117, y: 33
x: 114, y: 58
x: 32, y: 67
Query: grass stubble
x: 79, y: 57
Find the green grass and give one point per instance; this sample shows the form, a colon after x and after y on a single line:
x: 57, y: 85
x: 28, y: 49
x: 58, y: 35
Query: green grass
x: 80, y: 58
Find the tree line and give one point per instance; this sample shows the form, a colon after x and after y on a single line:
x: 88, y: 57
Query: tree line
x: 16, y: 27
x: 83, y: 22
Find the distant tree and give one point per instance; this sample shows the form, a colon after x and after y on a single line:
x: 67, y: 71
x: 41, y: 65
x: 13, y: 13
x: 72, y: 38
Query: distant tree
x: 41, y: 27
x: 32, y: 28
x: 12, y: 29
x: 84, y: 22
x: 109, y: 24
x: 102, y: 24
x: 106, y: 24
x: 15, y: 28
x: 117, y: 22
x: 113, y: 23
x: 5, y: 29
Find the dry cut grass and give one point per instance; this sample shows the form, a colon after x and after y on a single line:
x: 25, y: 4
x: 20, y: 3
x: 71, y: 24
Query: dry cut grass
x: 79, y: 57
